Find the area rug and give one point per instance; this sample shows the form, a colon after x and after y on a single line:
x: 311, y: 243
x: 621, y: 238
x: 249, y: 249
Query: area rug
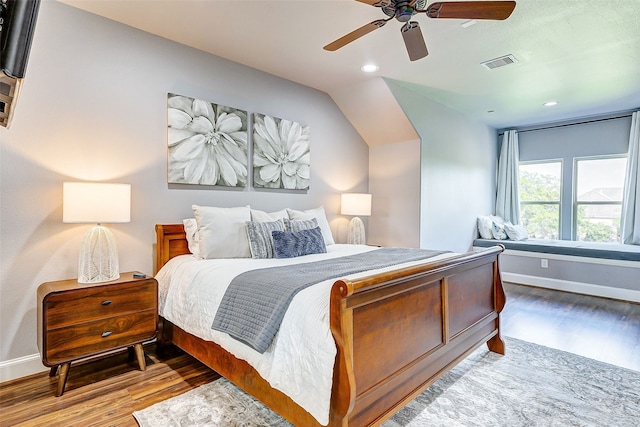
x: 531, y: 385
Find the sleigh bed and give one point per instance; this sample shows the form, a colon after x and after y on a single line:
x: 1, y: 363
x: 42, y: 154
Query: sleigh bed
x: 396, y: 332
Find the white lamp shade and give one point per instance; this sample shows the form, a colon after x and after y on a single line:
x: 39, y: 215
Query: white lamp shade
x: 358, y: 204
x: 96, y: 202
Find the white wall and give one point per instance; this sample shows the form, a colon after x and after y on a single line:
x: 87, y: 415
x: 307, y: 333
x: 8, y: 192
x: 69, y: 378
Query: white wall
x: 93, y: 107
x: 394, y: 183
x: 458, y: 163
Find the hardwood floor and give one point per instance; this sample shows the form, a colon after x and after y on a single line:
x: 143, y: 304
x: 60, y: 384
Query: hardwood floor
x: 105, y: 392
x: 598, y: 328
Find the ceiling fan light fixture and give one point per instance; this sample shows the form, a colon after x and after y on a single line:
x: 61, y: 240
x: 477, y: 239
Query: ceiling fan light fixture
x: 469, y: 23
x: 369, y: 68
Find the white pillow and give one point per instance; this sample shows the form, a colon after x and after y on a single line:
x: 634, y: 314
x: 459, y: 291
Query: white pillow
x: 516, y: 232
x: 223, y: 231
x: 262, y: 216
x: 319, y: 215
x: 193, y: 237
x: 485, y: 227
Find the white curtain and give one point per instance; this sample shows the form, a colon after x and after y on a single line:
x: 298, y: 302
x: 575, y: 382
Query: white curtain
x: 630, y: 227
x: 508, y: 199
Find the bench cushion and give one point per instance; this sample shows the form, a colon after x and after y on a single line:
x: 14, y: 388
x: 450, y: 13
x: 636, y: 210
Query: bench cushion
x: 615, y: 251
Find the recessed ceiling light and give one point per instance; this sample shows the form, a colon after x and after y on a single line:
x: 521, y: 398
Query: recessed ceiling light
x: 370, y: 68
x: 467, y: 24
x: 550, y: 103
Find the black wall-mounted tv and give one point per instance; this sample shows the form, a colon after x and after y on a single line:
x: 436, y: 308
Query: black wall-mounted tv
x: 17, y: 23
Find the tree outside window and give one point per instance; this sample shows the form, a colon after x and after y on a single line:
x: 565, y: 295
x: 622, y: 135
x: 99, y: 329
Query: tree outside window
x: 598, y: 198
x: 540, y: 190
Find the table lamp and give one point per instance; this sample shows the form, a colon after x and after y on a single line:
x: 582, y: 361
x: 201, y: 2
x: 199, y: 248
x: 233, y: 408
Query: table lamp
x: 356, y: 204
x: 94, y: 202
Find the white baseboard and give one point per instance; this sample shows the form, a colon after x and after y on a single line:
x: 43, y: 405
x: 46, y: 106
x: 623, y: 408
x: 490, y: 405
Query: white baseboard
x: 21, y: 367
x: 576, y: 287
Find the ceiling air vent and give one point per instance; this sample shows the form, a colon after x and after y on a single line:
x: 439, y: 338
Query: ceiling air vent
x: 499, y: 62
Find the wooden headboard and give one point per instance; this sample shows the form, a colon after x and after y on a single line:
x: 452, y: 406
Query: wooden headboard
x: 171, y: 241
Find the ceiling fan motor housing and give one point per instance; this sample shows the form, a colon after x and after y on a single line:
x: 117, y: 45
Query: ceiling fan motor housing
x: 402, y: 10
x: 404, y: 13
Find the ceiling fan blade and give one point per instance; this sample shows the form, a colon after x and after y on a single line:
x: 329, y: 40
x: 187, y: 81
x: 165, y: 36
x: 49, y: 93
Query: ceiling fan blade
x: 413, y: 40
x: 373, y: 2
x: 498, y: 10
x: 356, y: 34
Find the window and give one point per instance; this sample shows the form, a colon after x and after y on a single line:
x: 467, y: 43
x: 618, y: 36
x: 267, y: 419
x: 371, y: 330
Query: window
x: 596, y: 204
x: 599, y: 184
x: 540, y: 190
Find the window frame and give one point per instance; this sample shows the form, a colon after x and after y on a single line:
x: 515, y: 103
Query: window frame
x: 574, y: 188
x: 559, y: 202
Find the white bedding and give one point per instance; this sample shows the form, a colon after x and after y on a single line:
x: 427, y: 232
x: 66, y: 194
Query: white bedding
x: 300, y: 360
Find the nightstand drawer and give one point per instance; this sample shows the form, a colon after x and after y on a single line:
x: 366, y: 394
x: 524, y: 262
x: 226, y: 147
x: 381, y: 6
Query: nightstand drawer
x: 98, y: 302
x: 77, y: 341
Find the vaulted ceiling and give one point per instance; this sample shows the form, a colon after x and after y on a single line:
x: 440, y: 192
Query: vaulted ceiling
x: 584, y: 54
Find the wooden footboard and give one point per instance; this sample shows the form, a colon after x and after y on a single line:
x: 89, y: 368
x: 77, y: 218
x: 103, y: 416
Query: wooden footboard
x: 396, y: 333
x: 399, y: 332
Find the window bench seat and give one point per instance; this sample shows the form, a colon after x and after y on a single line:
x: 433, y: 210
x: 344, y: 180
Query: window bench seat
x: 616, y: 251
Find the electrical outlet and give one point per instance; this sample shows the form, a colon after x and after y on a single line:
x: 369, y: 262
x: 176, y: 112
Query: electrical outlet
x: 544, y: 263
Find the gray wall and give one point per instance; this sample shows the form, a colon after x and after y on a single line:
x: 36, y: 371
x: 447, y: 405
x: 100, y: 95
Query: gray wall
x: 93, y: 107
x: 458, y: 163
x: 568, y: 269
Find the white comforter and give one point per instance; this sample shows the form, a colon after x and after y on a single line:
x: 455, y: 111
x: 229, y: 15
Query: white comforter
x: 300, y: 360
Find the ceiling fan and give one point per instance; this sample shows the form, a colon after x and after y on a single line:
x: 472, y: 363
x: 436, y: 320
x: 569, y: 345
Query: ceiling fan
x: 404, y: 10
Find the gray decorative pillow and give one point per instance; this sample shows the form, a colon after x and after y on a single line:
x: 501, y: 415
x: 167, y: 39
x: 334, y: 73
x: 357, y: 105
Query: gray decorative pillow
x: 260, y: 240
x: 516, y: 232
x: 300, y: 224
x: 291, y: 244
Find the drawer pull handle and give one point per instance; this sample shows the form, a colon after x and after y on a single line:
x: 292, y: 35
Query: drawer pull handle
x: 106, y: 334
x: 106, y: 302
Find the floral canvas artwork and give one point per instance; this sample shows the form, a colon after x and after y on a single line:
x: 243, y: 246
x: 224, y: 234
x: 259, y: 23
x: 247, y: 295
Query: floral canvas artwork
x: 207, y: 143
x: 280, y: 153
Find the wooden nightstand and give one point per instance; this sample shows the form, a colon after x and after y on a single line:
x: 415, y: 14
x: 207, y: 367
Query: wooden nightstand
x: 79, y: 320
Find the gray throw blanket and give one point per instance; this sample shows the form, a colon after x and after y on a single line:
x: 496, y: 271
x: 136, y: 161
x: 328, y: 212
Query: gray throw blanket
x: 255, y: 301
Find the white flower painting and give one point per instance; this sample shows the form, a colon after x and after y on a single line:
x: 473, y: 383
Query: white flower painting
x: 207, y: 143
x: 280, y: 153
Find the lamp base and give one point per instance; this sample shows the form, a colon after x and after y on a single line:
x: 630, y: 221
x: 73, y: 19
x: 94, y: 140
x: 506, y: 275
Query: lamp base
x: 356, y: 232
x: 98, y: 256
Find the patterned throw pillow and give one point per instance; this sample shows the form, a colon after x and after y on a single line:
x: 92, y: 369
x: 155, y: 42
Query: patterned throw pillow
x: 498, y: 231
x: 300, y: 224
x: 290, y: 244
x: 260, y: 239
